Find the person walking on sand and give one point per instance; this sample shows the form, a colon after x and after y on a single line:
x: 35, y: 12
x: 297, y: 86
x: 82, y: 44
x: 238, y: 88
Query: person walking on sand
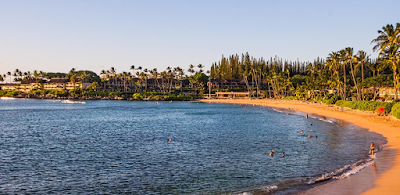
x: 372, y: 148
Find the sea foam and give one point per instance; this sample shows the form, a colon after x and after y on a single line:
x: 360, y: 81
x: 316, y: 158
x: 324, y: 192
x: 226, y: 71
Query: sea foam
x: 72, y: 102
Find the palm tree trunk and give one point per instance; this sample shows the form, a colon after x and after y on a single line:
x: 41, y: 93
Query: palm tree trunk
x: 344, y: 83
x: 394, y: 80
x: 362, y: 80
x: 354, y: 79
x: 247, y: 84
x: 269, y: 90
x: 339, y: 85
x: 145, y: 86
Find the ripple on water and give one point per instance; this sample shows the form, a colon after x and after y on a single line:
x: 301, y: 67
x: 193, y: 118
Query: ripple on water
x: 121, y: 147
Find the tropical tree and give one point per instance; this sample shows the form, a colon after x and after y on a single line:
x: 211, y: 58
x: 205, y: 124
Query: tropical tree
x: 133, y: 69
x: 333, y: 63
x: 73, y: 81
x: 349, y: 58
x: 388, y: 43
x: 200, y: 66
x: 343, y: 58
x: 362, y: 58
x: 9, y: 75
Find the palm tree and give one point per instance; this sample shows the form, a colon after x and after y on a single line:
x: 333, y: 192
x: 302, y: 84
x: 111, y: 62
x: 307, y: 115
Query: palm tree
x: 388, y: 37
x: 362, y: 58
x: 145, y: 77
x: 343, y: 57
x: 41, y: 74
x: 388, y: 42
x: 133, y: 69
x: 113, y: 74
x: 164, y: 76
x: 392, y: 55
x: 191, y: 69
x: 26, y: 76
x: 9, y: 75
x: 20, y: 75
x: 154, y: 74
x: 200, y: 66
x: 15, y: 77
x: 350, y: 59
x: 16, y: 71
x: 73, y: 81
x: 71, y: 72
x: 333, y: 63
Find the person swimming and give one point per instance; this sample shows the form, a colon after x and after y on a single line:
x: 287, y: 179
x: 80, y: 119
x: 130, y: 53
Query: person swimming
x: 301, y: 131
x: 272, y: 153
x: 169, y: 140
x: 311, y: 123
x: 310, y: 130
x: 309, y: 136
x: 283, y: 154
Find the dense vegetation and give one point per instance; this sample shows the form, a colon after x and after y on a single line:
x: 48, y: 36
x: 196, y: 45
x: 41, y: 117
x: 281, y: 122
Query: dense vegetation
x: 396, y: 110
x: 365, y: 105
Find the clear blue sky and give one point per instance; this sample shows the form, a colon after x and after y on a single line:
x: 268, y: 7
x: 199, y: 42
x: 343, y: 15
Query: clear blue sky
x: 57, y: 35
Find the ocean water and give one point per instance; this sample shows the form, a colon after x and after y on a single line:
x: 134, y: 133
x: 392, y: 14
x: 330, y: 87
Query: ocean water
x: 121, y: 147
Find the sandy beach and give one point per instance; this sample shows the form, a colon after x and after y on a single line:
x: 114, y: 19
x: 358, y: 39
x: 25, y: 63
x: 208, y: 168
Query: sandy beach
x: 381, y: 178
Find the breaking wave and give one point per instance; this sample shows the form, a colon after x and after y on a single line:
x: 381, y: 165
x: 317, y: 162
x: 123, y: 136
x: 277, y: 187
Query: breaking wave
x: 72, y: 102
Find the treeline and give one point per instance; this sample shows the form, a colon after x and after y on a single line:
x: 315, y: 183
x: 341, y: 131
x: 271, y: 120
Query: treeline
x: 346, y: 72
x: 18, y: 76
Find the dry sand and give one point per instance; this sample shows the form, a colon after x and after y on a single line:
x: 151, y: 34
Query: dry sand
x: 383, y: 178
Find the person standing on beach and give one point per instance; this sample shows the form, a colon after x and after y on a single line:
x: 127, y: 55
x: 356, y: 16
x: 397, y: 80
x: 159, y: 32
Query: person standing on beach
x: 372, y: 148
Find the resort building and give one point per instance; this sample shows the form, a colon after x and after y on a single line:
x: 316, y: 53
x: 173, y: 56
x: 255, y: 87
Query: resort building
x: 389, y: 92
x: 24, y: 86
x: 9, y: 87
x: 35, y: 84
x: 232, y: 95
x: 63, y: 84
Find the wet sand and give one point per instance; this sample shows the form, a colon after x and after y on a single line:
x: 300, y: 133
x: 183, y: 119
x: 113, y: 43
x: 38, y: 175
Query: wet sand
x: 382, y: 178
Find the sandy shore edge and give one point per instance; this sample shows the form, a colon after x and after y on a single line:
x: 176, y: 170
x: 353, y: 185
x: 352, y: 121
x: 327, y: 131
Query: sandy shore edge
x: 387, y: 182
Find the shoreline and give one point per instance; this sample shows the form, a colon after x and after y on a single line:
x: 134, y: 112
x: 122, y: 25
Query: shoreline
x: 367, y: 181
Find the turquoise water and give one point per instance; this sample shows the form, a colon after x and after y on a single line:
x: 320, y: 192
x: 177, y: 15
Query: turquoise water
x: 113, y: 147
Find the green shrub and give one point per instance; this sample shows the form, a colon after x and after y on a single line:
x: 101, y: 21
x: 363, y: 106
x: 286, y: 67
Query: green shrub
x: 365, y: 105
x: 334, y: 99
x: 396, y: 110
x: 137, y: 96
x: 115, y: 93
x: 331, y: 100
x: 290, y: 98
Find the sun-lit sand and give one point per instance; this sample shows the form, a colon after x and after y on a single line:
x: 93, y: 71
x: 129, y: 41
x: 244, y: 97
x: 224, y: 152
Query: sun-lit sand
x: 387, y: 182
